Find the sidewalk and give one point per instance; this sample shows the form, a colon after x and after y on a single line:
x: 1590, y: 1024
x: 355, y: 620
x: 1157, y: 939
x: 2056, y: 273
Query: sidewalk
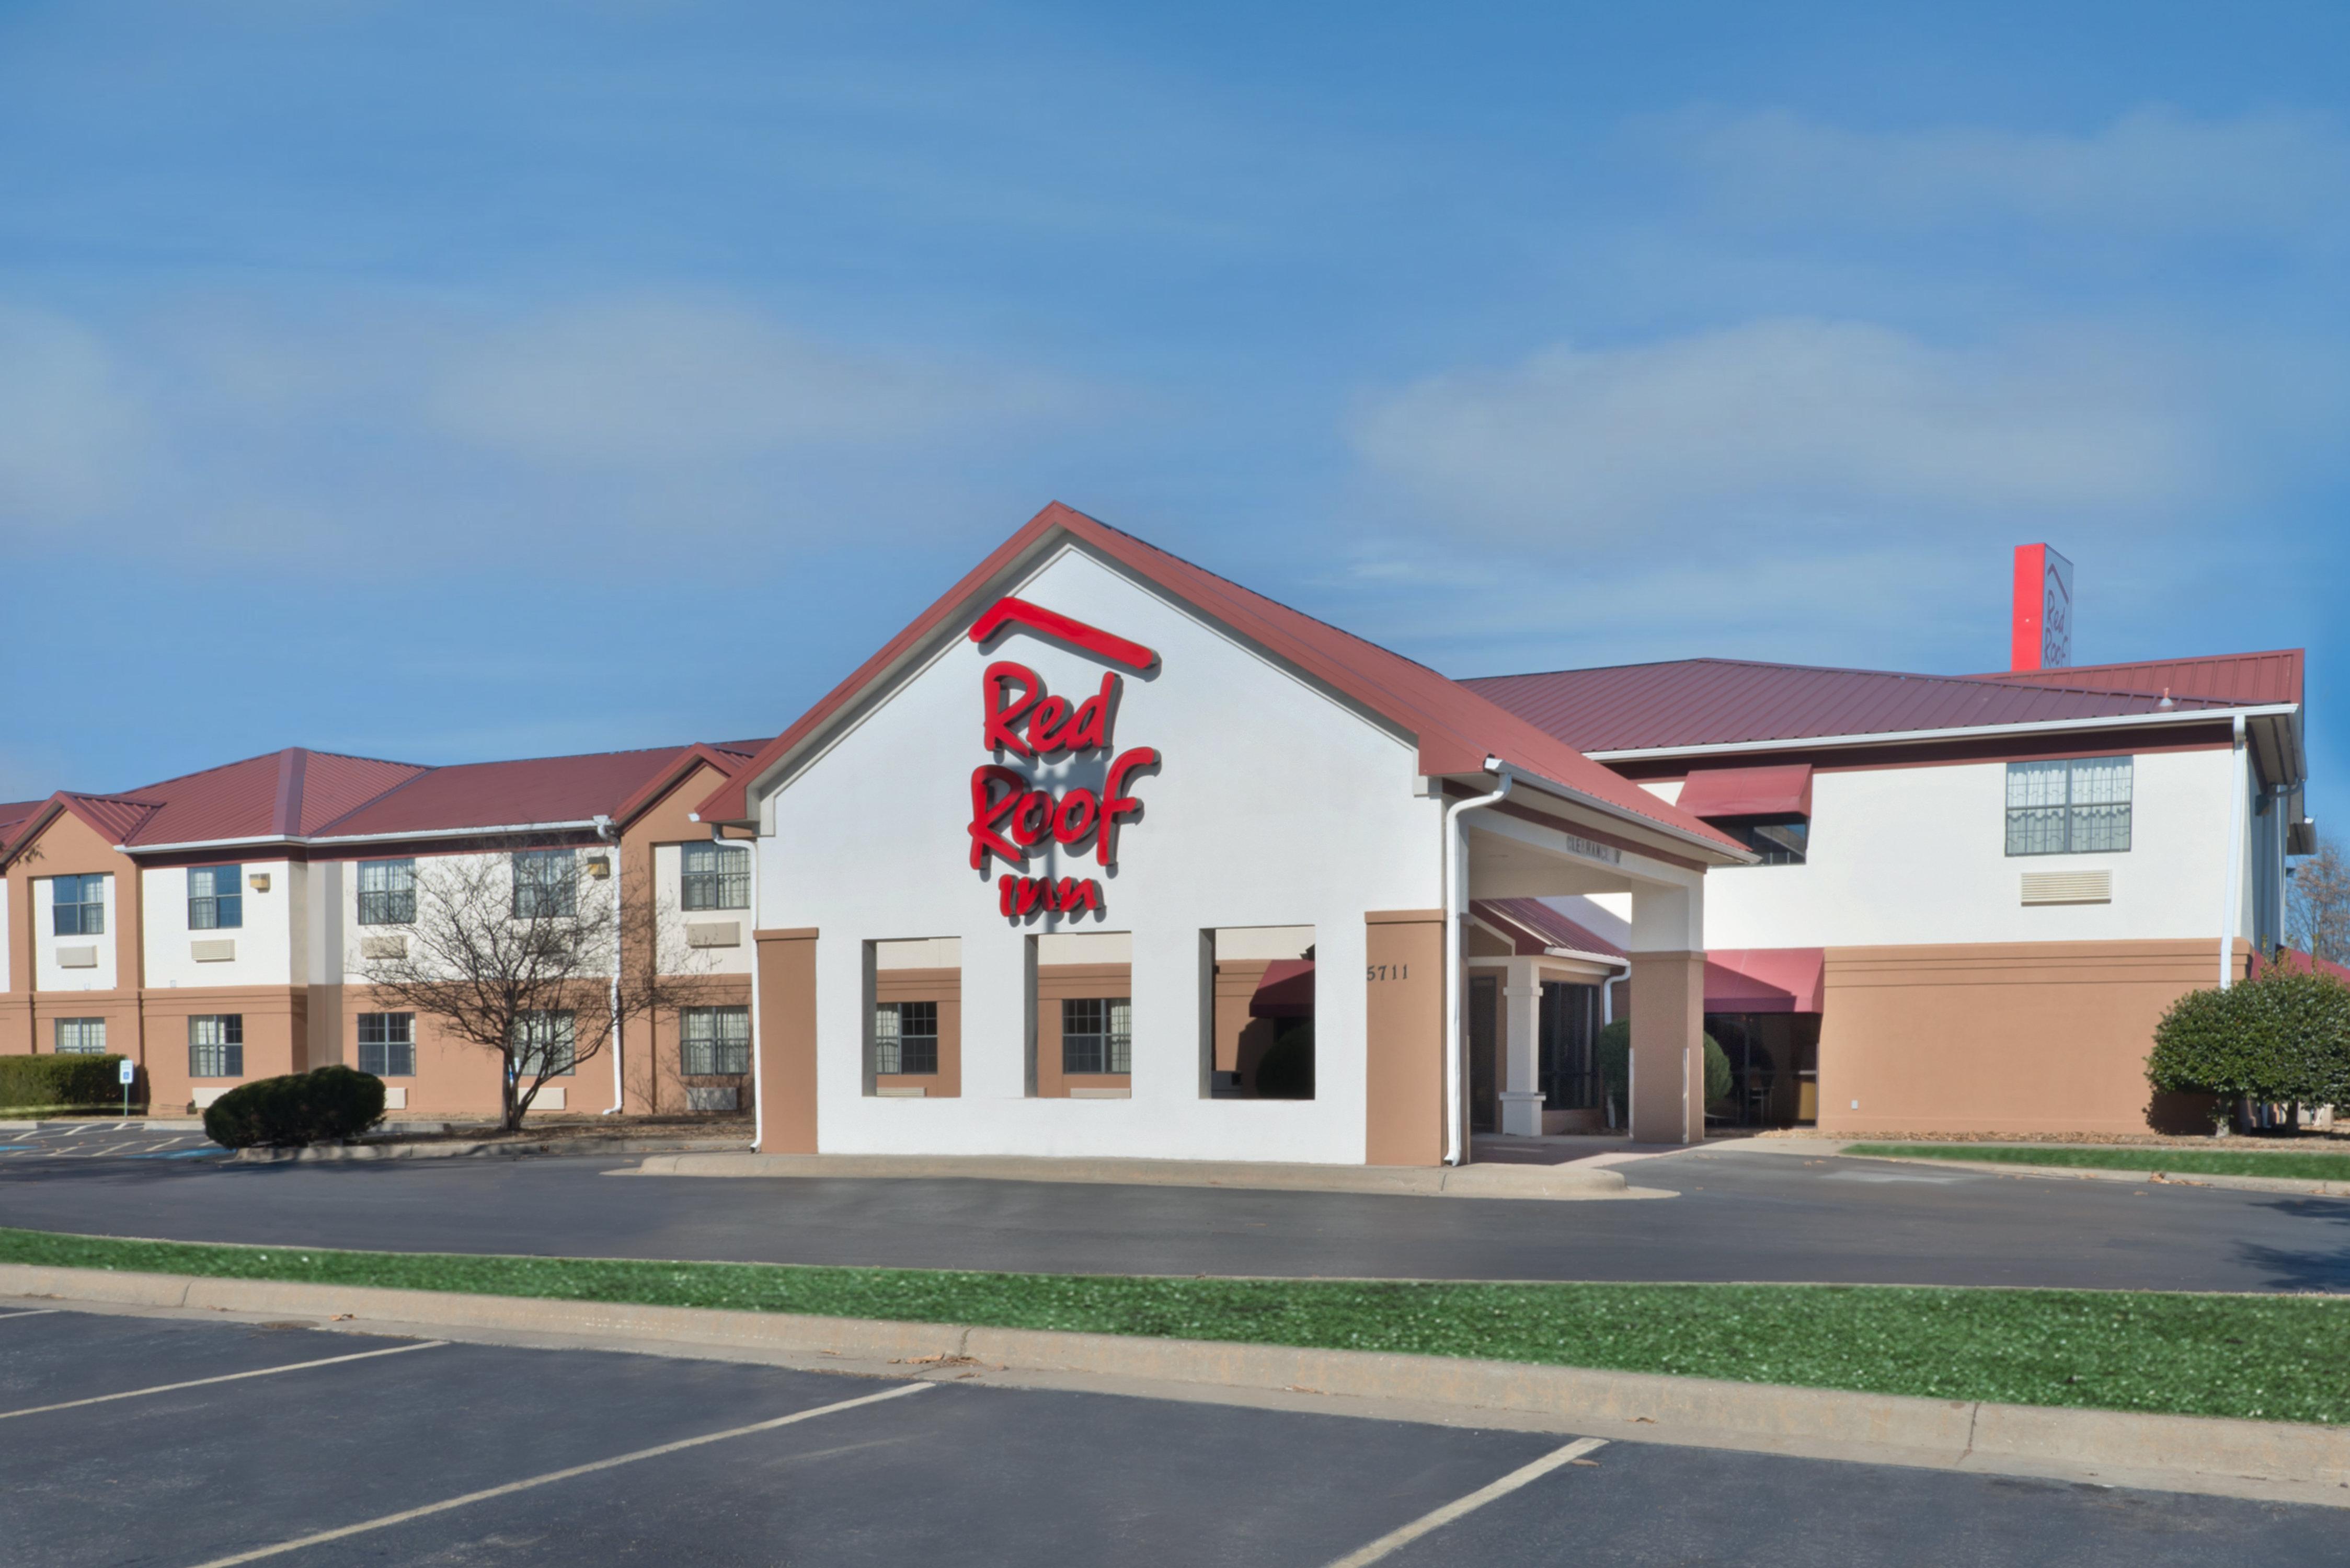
x: 1556, y: 1182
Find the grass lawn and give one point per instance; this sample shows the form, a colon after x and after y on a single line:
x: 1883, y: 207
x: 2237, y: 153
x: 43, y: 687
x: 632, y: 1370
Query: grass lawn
x: 2271, y: 1357
x: 2283, y: 1163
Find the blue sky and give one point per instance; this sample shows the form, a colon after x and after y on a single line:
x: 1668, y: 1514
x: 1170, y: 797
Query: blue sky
x: 442, y: 382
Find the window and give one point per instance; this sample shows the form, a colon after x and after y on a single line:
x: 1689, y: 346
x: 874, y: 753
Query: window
x: 716, y: 877
x: 545, y: 1043
x: 546, y: 884
x: 213, y: 902
x: 2080, y: 806
x: 81, y: 1036
x: 1097, y: 1034
x: 1257, y: 1023
x: 1780, y: 842
x: 386, y: 892
x: 216, y: 1045
x: 80, y: 905
x: 1566, y: 1043
x: 906, y: 1037
x: 715, y: 1041
x: 388, y: 1044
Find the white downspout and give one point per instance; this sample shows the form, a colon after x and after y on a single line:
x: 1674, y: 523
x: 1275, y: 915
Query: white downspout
x: 758, y: 1099
x: 2232, y: 906
x: 620, y: 1079
x: 1453, y: 1149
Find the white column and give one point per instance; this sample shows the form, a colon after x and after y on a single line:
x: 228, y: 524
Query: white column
x: 1522, y: 1076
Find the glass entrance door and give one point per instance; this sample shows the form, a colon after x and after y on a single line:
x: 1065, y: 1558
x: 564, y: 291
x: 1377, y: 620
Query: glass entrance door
x: 1484, y: 1024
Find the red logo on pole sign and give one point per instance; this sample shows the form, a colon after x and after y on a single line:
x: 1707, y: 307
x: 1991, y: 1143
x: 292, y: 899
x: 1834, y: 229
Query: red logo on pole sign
x: 1011, y: 816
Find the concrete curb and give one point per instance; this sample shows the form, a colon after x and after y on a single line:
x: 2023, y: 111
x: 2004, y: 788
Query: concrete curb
x: 491, y: 1148
x: 2288, y: 1460
x: 1551, y: 1181
x: 2152, y: 1176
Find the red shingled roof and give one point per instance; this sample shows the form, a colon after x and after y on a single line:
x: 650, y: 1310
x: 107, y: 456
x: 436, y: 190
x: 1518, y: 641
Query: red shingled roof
x: 1724, y: 701
x: 2271, y: 677
x: 1456, y: 729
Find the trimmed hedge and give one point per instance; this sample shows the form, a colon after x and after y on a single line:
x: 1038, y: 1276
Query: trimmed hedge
x: 1615, y: 1059
x: 324, y: 1105
x: 62, y: 1082
x: 2282, y: 1036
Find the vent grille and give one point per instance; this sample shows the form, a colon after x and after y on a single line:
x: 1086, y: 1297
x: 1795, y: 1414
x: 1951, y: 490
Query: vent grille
x: 2068, y: 887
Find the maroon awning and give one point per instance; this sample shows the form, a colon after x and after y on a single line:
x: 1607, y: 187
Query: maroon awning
x: 1783, y: 789
x: 1286, y: 991
x: 1763, y: 980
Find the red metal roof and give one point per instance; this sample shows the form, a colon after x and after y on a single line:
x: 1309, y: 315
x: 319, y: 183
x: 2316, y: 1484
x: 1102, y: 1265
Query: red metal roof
x: 1456, y: 729
x: 278, y: 794
x: 511, y: 793
x: 1724, y: 701
x: 2271, y: 677
x: 1533, y: 927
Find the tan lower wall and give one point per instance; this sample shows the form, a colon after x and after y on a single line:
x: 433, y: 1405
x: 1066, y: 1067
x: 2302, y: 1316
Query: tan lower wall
x: 943, y: 986
x: 2023, y: 1037
x: 787, y: 1040
x: 1403, y: 1090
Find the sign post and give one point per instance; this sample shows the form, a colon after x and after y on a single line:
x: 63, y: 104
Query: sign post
x: 126, y: 1071
x: 2040, y: 634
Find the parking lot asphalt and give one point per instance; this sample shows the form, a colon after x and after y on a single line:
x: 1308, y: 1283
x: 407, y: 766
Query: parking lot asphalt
x: 470, y: 1454
x: 105, y: 1140
x: 1741, y: 1215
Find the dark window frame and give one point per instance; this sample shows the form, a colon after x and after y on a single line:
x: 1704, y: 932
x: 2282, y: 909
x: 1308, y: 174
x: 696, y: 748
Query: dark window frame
x: 907, y: 1043
x: 394, y: 904
x: 534, y: 889
x: 215, y: 910
x: 1092, y: 1043
x: 711, y: 884
x: 392, y: 1053
x: 58, y: 1037
x: 227, y: 1053
x: 1770, y: 837
x: 2073, y: 819
x: 89, y: 905
x: 708, y: 1047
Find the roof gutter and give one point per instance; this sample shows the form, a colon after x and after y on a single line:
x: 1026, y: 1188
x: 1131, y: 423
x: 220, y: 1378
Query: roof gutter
x: 2125, y: 722
x: 413, y: 836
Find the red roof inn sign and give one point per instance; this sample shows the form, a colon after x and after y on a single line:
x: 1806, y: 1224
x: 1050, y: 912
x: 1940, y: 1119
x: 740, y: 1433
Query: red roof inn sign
x: 1012, y: 815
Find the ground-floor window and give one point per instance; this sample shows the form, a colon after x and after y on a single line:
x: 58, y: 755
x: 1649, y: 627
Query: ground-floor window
x: 216, y: 1045
x: 388, y: 1044
x: 1258, y: 1027
x: 715, y: 1041
x: 545, y: 1043
x: 81, y: 1036
x: 906, y: 1037
x: 1774, y: 1068
x: 1097, y: 1034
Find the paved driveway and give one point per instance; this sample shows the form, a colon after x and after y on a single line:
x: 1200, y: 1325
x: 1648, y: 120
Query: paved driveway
x: 1741, y: 1215
x: 129, y: 1440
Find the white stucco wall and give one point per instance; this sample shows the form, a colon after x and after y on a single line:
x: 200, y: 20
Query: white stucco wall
x: 265, y: 944
x: 1918, y: 855
x: 1273, y: 806
x: 668, y: 876
x: 47, y: 974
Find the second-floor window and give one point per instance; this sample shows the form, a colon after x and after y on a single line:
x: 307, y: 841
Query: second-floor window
x: 79, y: 905
x: 386, y: 892
x: 546, y: 883
x: 2078, y: 807
x: 213, y: 902
x: 716, y: 877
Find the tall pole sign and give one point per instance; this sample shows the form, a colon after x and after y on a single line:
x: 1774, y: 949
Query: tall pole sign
x: 1013, y: 817
x: 2041, y: 637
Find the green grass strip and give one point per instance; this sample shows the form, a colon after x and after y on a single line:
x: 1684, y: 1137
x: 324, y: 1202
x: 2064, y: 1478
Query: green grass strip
x: 2282, y: 1163
x: 2263, y: 1358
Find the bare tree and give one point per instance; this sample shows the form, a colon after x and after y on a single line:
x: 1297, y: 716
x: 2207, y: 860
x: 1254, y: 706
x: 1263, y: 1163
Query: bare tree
x: 2317, y: 909
x: 515, y: 953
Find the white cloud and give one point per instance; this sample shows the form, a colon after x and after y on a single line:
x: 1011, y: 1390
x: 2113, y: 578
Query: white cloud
x: 70, y: 432
x: 666, y: 381
x: 1833, y: 424
x: 2153, y: 173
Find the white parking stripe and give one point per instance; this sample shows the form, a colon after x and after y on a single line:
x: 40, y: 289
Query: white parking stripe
x: 1396, y: 1540
x: 402, y: 1517
x: 224, y: 1377
x: 36, y: 1311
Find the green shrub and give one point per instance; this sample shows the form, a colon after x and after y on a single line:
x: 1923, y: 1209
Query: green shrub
x: 62, y: 1082
x: 1286, y: 1071
x: 1615, y: 1055
x: 320, y: 1106
x: 2280, y: 1037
